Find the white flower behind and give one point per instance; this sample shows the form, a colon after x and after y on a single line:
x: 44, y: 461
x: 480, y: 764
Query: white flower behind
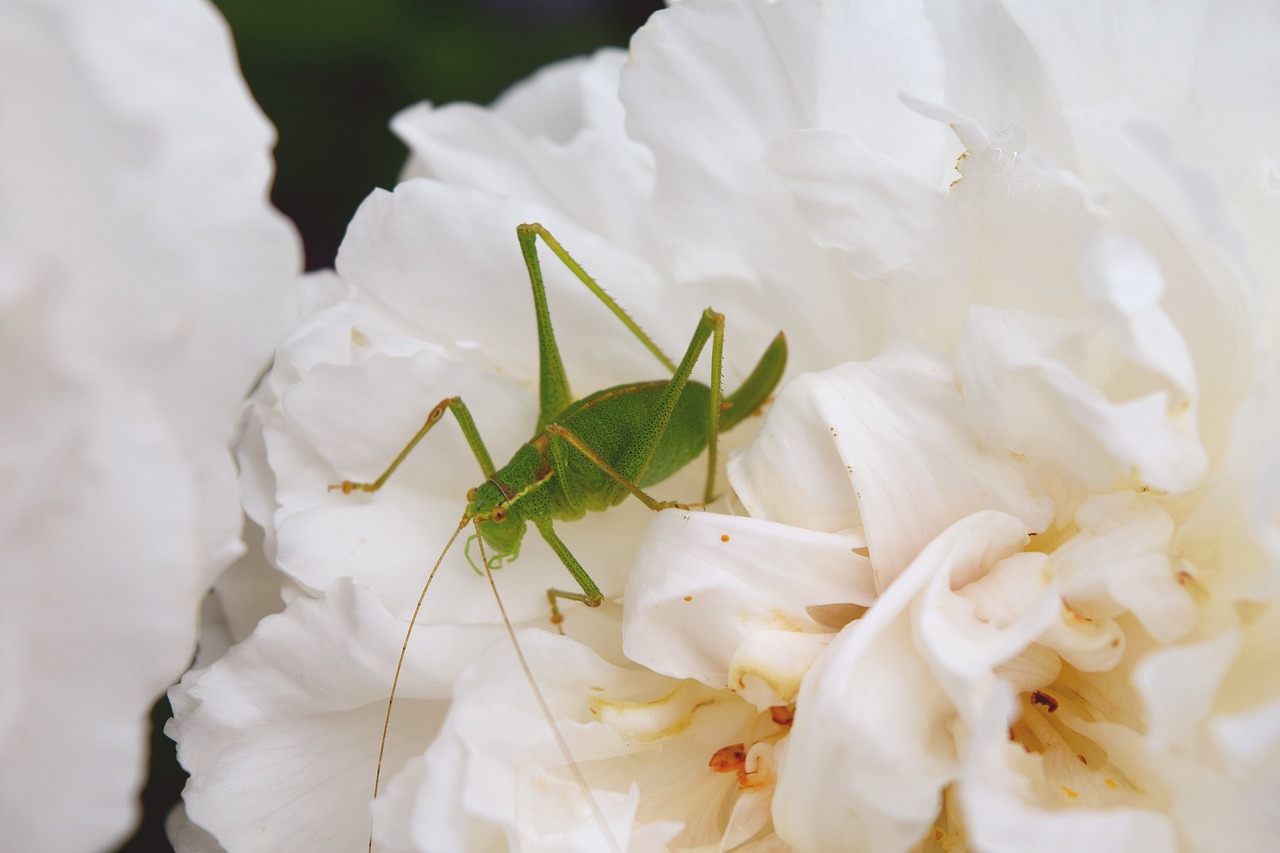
x: 143, y: 279
x: 982, y: 567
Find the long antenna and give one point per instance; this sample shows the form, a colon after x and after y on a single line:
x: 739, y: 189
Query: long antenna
x: 395, y: 679
x: 542, y: 703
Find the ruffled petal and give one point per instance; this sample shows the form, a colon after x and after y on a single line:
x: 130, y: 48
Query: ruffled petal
x: 913, y: 460
x: 704, y: 584
x: 556, y: 139
x: 281, y: 734
x: 870, y: 750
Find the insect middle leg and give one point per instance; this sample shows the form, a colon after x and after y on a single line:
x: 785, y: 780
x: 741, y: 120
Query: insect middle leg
x: 590, y: 595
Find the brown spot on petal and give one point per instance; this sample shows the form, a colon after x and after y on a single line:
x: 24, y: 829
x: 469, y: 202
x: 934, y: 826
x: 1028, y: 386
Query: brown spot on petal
x: 1042, y: 698
x: 729, y: 759
x: 782, y: 714
x: 688, y: 598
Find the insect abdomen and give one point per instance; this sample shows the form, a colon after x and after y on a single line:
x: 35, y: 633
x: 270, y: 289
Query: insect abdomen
x: 613, y: 422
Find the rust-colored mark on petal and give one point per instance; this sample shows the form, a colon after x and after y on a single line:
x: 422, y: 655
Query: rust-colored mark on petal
x: 724, y: 537
x: 729, y: 759
x: 783, y: 715
x: 688, y: 598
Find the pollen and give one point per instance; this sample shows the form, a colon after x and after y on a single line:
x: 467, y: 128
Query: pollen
x: 724, y: 537
x: 1070, y: 793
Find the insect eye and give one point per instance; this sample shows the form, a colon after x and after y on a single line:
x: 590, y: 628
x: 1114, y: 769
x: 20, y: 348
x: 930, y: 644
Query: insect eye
x: 499, y: 514
x: 471, y: 494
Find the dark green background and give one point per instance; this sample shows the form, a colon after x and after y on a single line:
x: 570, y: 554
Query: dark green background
x: 330, y: 75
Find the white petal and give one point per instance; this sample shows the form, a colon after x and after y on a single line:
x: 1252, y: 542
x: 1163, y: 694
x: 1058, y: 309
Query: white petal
x: 1124, y: 286
x: 486, y: 777
x: 1178, y: 684
x: 281, y: 734
x: 1024, y: 219
x: 712, y: 83
x: 1030, y: 380
x: 1120, y: 560
x: 890, y: 224
x: 102, y: 568
x: 1015, y: 801
x: 963, y: 648
x: 703, y: 584
x: 870, y: 749
x: 556, y: 139
x: 769, y: 666
x: 143, y: 279
x: 910, y: 458
x: 1213, y: 295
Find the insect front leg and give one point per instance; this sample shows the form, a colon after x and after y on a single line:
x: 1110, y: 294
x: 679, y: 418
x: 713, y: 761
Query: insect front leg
x: 590, y: 595
x: 463, y: 416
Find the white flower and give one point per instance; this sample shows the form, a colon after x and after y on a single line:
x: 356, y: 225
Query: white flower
x: 143, y: 279
x: 986, y: 565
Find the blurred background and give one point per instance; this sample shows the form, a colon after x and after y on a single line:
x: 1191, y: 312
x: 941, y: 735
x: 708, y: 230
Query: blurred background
x: 330, y: 74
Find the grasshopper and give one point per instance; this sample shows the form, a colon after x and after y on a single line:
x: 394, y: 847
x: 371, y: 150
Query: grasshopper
x: 588, y: 455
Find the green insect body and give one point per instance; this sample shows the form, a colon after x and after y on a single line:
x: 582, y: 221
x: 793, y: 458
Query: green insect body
x: 530, y: 487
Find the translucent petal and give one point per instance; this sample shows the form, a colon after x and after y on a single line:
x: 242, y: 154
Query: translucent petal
x: 703, y: 584
x: 911, y: 461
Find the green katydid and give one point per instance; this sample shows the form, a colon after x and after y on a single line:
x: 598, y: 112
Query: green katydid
x: 587, y: 455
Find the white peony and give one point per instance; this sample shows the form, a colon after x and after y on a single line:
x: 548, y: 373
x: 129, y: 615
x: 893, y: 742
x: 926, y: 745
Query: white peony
x: 1005, y: 581
x: 143, y: 279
